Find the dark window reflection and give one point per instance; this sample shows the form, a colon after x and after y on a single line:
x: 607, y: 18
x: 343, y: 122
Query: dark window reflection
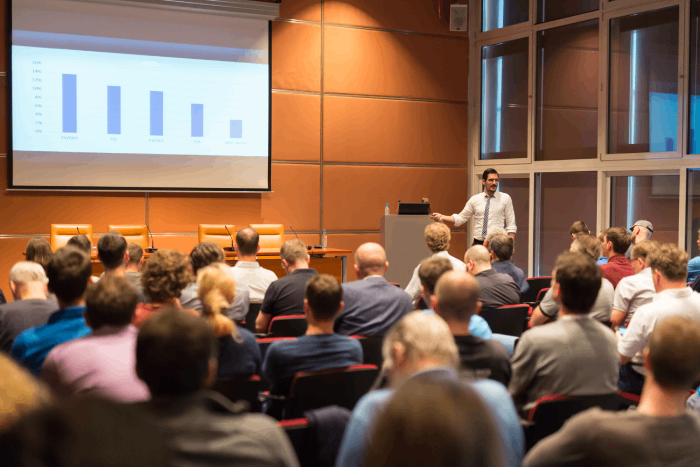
x: 550, y: 10
x: 498, y: 14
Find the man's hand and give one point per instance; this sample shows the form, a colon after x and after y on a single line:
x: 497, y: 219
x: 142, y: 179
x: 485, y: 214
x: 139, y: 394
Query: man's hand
x: 436, y: 217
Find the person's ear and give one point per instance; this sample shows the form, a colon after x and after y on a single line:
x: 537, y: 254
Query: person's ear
x: 493, y: 257
x: 307, y: 308
x: 257, y: 250
x: 556, y: 290
x: 386, y: 266
x: 211, y: 373
x: 433, y: 303
x: 357, y: 269
x: 340, y: 308
x: 285, y: 264
x: 398, y: 355
x: 477, y: 310
x: 647, y: 363
x: 13, y: 288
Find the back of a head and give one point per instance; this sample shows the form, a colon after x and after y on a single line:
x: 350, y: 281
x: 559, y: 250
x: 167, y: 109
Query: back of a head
x: 437, y: 237
x: 110, y: 302
x: 457, y: 293
x: 579, y: 227
x: 620, y: 238
x: 206, y: 253
x: 216, y: 289
x: 422, y: 336
x: 370, y: 258
x: 579, y: 280
x: 493, y: 233
x: 293, y: 251
x: 81, y: 242
x: 674, y: 352
x: 134, y: 252
x: 22, y: 393
x: 430, y: 270
x: 111, y: 249
x: 588, y: 245
x: 448, y: 416
x: 479, y: 255
x: 165, y: 274
x: 642, y: 249
x: 502, y: 246
x: 324, y: 295
x: 601, y: 235
x: 69, y: 272
x: 173, y: 350
x: 39, y: 251
x: 247, y: 241
x: 670, y: 261
x: 25, y: 272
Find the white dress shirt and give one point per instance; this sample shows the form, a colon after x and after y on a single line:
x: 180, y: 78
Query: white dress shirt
x: 256, y: 278
x: 501, y: 213
x: 413, y: 287
x: 632, y: 292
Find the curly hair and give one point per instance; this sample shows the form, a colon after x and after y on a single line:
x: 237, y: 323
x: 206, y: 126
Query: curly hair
x: 437, y: 237
x: 165, y: 274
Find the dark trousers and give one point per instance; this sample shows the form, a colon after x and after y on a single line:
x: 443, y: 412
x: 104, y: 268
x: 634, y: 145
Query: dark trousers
x: 630, y: 380
x: 477, y: 242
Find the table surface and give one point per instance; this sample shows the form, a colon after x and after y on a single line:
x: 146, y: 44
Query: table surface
x: 268, y: 253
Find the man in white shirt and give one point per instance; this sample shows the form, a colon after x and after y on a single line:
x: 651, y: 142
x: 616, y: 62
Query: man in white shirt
x: 669, y: 268
x: 247, y: 271
x: 634, y: 291
x: 437, y: 237
x: 489, y: 209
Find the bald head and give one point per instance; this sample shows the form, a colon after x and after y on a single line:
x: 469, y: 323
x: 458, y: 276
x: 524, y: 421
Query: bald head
x: 478, y: 254
x: 456, y: 295
x: 370, y: 260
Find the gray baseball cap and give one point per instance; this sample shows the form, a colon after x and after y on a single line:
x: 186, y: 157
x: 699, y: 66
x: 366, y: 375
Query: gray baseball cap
x: 646, y: 224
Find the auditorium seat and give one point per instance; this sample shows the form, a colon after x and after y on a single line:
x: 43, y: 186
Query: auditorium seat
x: 288, y: 326
x: 536, y: 284
x: 265, y: 342
x: 61, y: 233
x: 509, y: 319
x: 237, y: 389
x: 217, y: 233
x: 298, y: 431
x: 253, y: 311
x: 271, y: 235
x: 132, y: 233
x: 371, y: 349
x: 542, y: 293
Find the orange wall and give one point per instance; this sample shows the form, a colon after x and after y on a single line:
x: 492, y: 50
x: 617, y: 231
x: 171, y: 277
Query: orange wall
x: 363, y: 114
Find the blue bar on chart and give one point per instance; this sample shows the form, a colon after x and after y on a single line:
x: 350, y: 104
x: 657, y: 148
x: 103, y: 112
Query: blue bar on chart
x: 114, y: 110
x: 198, y: 120
x: 70, y: 103
x: 236, y: 128
x: 156, y: 113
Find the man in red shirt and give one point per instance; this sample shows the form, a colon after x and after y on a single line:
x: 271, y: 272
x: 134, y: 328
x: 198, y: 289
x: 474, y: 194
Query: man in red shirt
x: 615, y: 243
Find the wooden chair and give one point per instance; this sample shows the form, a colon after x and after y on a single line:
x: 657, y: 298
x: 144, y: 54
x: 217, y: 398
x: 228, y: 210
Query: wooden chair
x: 271, y: 235
x: 536, y: 284
x: 61, y: 233
x: 509, y: 320
x: 237, y: 389
x: 217, y: 233
x: 288, y: 326
x: 133, y: 233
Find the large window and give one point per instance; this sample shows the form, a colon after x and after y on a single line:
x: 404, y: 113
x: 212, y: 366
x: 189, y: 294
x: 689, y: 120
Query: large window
x: 497, y: 14
x: 694, y: 88
x: 692, y: 223
x: 519, y: 191
x: 551, y: 10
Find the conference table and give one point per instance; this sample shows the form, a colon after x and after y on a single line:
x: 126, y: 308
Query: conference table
x: 331, y: 261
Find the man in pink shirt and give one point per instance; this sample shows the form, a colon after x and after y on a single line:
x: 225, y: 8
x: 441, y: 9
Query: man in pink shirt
x: 616, y: 241
x: 103, y: 363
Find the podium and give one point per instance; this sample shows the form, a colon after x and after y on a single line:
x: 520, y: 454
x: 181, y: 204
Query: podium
x: 403, y: 239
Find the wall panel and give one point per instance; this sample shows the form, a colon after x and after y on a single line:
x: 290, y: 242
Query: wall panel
x: 296, y: 127
x: 296, y: 56
x: 306, y: 10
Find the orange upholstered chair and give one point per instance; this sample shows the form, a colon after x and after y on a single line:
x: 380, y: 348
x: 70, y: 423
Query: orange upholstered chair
x: 133, y: 234
x: 217, y: 233
x: 61, y: 233
x: 271, y: 235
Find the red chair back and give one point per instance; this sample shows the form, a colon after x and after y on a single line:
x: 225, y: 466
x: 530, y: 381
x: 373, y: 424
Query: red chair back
x: 288, y: 326
x: 509, y: 319
x: 536, y: 284
x: 543, y: 292
x: 297, y: 430
x: 245, y: 388
x: 371, y: 349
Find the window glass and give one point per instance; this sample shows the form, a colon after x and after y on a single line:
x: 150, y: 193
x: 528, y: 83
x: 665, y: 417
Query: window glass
x: 694, y: 104
x: 498, y: 14
x: 519, y: 191
x: 692, y: 223
x: 550, y: 10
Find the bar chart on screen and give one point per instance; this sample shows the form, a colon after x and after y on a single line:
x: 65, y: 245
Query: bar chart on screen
x: 103, y: 102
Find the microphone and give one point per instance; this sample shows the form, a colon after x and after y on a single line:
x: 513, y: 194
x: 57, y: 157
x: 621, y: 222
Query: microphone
x: 78, y: 229
x: 397, y: 206
x: 229, y: 248
x: 308, y: 247
x: 152, y: 249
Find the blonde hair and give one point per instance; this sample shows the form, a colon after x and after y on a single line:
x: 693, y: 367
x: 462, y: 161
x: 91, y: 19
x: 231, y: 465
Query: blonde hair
x: 437, y: 237
x: 216, y: 289
x: 22, y: 393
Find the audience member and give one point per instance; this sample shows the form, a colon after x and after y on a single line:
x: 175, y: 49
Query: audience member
x: 455, y: 301
x: 669, y: 268
x: 205, y: 254
x: 239, y: 353
x: 449, y: 417
x: 3, y: 300
x: 30, y: 307
x: 420, y: 348
x: 694, y: 265
x: 320, y: 348
x: 134, y: 263
x: 69, y: 275
x: 81, y: 242
x: 501, y: 248
x: 493, y: 233
x: 372, y: 304
x: 641, y: 231
x: 615, y: 244
x: 578, y: 227
x: 659, y: 432
x: 574, y: 355
x: 429, y: 271
x: 39, y: 251
x: 548, y: 309
x: 21, y: 394
x: 637, y: 290
x: 601, y: 238
x: 101, y: 364
x: 176, y: 358
x: 111, y: 251
x: 247, y: 272
x: 437, y: 238
x: 495, y: 289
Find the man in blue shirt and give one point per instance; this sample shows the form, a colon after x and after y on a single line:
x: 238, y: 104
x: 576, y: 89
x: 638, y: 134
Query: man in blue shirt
x: 69, y: 274
x: 501, y: 248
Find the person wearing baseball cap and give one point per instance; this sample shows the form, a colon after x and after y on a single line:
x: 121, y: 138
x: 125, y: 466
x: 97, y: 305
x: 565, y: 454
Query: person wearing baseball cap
x: 641, y: 230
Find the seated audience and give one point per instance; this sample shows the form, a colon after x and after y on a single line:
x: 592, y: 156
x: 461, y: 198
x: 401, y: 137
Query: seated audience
x: 458, y: 428
x: 134, y: 263
x: 203, y: 255
x: 39, y: 251
x: 615, y: 244
x: 372, y: 304
x: 239, y: 353
x: 601, y: 238
x: 247, y: 272
x: 21, y: 394
x: 495, y: 289
x: 285, y: 296
x: 641, y: 231
x: 164, y: 276
x: 455, y: 301
x: 69, y: 275
x: 578, y: 227
x: 101, y: 364
x: 81, y: 242
x: 30, y: 307
x: 3, y: 300
x: 659, y: 432
x: 576, y: 354
x: 694, y: 265
x: 320, y: 348
x: 437, y: 238
x: 176, y: 358
x: 548, y: 309
x: 429, y: 271
x: 669, y: 267
x: 501, y: 248
x: 637, y: 290
x: 421, y: 348
x: 111, y: 251
x: 493, y: 233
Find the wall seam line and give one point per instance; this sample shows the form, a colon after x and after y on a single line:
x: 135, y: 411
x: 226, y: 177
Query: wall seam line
x: 368, y: 28
x: 323, y: 47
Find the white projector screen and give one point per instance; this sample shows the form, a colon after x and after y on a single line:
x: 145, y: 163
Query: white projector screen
x: 114, y: 97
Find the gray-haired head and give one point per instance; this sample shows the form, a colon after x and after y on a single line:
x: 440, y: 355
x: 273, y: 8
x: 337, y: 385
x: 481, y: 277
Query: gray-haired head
x: 25, y: 272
